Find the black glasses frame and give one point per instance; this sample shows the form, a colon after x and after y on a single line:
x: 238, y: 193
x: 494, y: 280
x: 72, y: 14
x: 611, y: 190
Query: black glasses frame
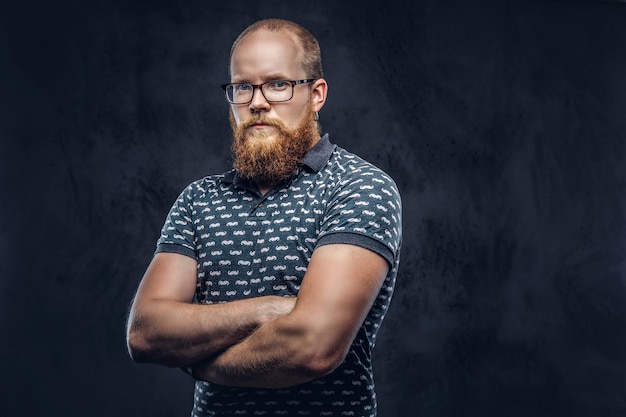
x: 260, y: 87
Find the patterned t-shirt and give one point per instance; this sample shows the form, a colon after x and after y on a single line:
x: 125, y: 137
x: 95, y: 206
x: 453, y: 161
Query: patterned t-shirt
x: 250, y: 245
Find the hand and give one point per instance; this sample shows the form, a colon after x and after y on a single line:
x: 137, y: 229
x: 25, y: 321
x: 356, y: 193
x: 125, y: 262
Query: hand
x: 273, y: 307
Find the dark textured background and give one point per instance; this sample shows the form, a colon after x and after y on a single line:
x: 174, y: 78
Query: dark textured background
x: 502, y: 122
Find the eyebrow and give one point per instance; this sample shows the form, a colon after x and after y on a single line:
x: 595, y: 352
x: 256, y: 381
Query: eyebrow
x: 271, y: 77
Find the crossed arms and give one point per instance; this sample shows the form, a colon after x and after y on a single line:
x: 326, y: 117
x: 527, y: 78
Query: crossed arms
x: 266, y: 341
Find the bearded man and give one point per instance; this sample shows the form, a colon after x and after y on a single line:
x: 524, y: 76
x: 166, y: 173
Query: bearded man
x: 270, y: 281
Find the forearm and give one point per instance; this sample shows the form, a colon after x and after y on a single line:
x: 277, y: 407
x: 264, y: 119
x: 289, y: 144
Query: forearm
x: 277, y: 354
x: 314, y: 338
x: 175, y: 333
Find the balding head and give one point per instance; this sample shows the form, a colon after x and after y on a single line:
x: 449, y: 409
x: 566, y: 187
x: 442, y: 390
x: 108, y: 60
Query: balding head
x: 309, y: 47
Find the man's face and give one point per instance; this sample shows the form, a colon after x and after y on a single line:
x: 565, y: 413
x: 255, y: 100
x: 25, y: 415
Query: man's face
x: 270, y: 138
x: 264, y: 56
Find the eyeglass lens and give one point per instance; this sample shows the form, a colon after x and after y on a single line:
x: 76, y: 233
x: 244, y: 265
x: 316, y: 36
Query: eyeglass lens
x: 272, y: 91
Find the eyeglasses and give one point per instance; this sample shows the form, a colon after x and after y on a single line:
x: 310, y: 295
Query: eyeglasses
x: 273, y: 91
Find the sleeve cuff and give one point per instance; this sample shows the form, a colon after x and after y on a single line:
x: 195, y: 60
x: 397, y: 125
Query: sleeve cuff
x: 172, y: 248
x: 358, y: 240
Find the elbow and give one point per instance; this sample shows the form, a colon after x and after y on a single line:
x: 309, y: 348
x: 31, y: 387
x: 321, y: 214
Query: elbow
x: 321, y: 367
x: 147, y: 348
x: 321, y: 362
x: 314, y: 353
x: 138, y: 347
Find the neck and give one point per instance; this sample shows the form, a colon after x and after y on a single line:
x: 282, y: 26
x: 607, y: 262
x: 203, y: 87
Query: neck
x: 263, y: 188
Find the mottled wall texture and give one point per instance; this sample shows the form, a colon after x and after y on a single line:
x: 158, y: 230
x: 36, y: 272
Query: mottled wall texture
x: 503, y: 123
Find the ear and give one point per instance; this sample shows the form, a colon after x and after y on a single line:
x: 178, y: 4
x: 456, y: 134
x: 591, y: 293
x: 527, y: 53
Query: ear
x: 318, y: 94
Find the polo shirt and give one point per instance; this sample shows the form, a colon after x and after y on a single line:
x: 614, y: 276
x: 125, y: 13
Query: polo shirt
x: 249, y: 245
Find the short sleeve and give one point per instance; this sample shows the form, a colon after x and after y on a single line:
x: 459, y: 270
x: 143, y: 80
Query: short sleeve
x: 365, y: 210
x: 177, y: 234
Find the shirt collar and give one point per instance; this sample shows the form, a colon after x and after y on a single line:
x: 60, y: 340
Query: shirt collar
x: 315, y: 159
x: 319, y: 154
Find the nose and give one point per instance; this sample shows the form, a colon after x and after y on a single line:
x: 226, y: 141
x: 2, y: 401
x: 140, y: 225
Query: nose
x: 259, y: 103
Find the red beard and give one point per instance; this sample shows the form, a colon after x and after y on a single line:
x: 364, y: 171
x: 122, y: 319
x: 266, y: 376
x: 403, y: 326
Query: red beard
x: 271, y: 155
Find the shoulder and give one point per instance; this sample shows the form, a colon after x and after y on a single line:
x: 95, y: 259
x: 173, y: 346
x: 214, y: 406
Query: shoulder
x: 354, y: 165
x: 355, y: 173
x: 203, y: 187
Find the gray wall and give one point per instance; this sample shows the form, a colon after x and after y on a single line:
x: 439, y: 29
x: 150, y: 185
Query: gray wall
x: 502, y: 123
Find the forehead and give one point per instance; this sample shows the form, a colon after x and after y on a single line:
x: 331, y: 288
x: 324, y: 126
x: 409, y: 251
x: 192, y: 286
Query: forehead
x: 263, y: 54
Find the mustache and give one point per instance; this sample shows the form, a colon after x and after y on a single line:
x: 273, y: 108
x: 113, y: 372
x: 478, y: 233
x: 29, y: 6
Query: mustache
x: 262, y: 120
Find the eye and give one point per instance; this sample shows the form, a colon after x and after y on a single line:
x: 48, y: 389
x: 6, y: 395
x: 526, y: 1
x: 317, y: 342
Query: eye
x: 278, y: 85
x: 242, y: 87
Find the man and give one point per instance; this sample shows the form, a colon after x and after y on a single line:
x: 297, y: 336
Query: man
x: 270, y: 281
